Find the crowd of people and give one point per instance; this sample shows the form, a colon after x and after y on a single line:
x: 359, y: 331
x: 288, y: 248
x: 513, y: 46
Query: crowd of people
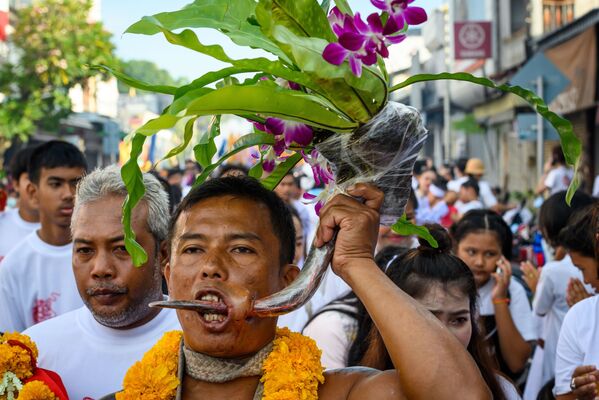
x: 469, y: 318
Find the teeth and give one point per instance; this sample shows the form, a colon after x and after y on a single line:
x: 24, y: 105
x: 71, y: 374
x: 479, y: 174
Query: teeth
x: 211, y: 297
x: 214, y: 317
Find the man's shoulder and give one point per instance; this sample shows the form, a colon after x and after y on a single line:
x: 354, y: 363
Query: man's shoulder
x: 22, y: 251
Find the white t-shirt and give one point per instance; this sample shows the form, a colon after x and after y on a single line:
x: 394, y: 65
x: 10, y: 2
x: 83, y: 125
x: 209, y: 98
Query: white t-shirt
x: 559, y: 179
x: 334, y: 333
x: 92, y: 359
x: 578, y: 342
x: 550, y: 302
x: 486, y: 194
x: 36, y: 284
x: 456, y: 184
x: 519, y: 307
x: 13, y: 229
x: 463, y: 208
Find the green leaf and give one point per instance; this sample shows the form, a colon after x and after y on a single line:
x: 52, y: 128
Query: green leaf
x: 256, y: 171
x: 133, y: 179
x: 155, y: 125
x: 406, y: 228
x: 306, y: 15
x: 244, y: 142
x: 360, y: 98
x: 136, y: 83
x: 187, y: 135
x: 344, y: 7
x: 571, y: 145
x: 230, y: 17
x: 205, y: 150
x: 280, y: 171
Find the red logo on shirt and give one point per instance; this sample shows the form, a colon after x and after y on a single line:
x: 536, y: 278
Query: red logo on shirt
x: 42, y: 309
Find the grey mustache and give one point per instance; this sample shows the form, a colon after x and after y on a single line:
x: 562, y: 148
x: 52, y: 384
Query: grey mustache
x: 112, y: 288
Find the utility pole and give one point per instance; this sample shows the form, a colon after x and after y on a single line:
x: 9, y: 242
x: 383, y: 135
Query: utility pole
x: 540, y: 137
x: 448, y: 15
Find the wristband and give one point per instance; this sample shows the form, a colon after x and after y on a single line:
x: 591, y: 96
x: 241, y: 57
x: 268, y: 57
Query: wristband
x: 501, y: 301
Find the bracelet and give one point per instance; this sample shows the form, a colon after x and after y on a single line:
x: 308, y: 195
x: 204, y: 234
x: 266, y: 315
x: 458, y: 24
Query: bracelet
x: 501, y: 301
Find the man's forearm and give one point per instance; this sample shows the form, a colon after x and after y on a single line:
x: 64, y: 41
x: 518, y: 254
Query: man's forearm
x: 430, y: 361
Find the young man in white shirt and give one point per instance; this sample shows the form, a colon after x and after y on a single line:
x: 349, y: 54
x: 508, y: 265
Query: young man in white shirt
x: 468, y: 198
x: 19, y: 222
x: 116, y: 326
x: 36, y: 280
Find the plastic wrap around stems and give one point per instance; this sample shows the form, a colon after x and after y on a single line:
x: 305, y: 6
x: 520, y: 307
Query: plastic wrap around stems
x: 382, y: 152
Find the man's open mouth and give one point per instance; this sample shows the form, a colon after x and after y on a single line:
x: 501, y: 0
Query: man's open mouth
x: 219, y: 315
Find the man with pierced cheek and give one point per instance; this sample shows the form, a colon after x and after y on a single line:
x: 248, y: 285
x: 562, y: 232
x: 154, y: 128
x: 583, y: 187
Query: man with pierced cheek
x: 232, y: 242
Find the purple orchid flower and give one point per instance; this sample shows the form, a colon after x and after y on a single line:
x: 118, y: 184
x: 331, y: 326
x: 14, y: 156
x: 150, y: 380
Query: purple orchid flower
x: 320, y: 168
x: 400, y: 13
x: 286, y: 133
x: 359, y: 42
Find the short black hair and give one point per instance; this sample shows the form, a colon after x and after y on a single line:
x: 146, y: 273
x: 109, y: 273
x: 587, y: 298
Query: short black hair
x: 174, y: 171
x: 232, y: 167
x: 460, y: 164
x: 19, y: 163
x: 555, y: 213
x: 472, y: 183
x: 54, y: 154
x: 248, y: 188
x: 579, y: 234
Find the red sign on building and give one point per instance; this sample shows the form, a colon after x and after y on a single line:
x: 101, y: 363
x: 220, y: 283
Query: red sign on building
x: 472, y: 40
x: 3, y: 19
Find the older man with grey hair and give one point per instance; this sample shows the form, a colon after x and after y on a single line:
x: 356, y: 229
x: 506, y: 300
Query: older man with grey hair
x: 92, y: 347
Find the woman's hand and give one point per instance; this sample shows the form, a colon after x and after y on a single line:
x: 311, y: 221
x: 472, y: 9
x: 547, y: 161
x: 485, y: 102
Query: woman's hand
x: 530, y: 274
x: 502, y: 279
x: 576, y: 292
x: 584, y: 382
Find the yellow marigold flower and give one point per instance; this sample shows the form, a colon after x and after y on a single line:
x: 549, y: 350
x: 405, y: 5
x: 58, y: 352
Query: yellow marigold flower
x: 26, y: 340
x: 36, y: 390
x: 155, y: 376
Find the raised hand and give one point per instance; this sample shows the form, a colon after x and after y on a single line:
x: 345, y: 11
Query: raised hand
x: 502, y: 278
x: 530, y: 274
x: 584, y: 382
x: 357, y: 223
x: 576, y: 292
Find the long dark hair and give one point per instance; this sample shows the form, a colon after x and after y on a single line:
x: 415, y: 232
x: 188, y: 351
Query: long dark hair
x: 415, y: 272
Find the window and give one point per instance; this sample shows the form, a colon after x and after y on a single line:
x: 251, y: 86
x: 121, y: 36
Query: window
x: 557, y: 13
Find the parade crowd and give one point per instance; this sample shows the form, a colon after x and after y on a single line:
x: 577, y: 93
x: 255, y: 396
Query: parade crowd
x: 513, y: 287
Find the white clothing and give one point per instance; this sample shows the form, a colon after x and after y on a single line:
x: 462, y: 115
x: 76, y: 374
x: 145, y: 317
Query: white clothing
x: 92, y: 359
x: 431, y: 215
x: 463, y: 208
x: 13, y: 229
x: 332, y: 287
x: 486, y: 194
x: 559, y: 179
x: 509, y: 390
x: 550, y: 302
x: 334, y: 333
x: 36, y: 283
x: 596, y: 187
x: 456, y: 184
x: 304, y: 211
x: 519, y: 307
x: 578, y: 342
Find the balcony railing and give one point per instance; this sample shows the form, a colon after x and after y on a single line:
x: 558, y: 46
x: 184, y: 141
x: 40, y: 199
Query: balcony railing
x: 557, y: 13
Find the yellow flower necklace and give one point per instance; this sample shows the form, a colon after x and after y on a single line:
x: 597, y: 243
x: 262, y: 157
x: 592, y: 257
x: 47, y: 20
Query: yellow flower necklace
x: 18, y: 354
x: 292, y: 371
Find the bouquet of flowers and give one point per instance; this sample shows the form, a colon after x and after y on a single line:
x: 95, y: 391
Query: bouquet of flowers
x: 326, y: 80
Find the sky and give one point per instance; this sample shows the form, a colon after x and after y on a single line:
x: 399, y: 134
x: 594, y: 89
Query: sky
x: 118, y: 15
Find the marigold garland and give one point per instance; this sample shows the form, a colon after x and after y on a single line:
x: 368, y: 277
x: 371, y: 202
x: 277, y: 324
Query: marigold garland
x: 17, y: 356
x: 292, y: 371
x: 36, y: 390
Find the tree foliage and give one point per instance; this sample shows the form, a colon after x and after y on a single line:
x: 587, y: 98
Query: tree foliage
x: 147, y: 71
x: 53, y: 42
